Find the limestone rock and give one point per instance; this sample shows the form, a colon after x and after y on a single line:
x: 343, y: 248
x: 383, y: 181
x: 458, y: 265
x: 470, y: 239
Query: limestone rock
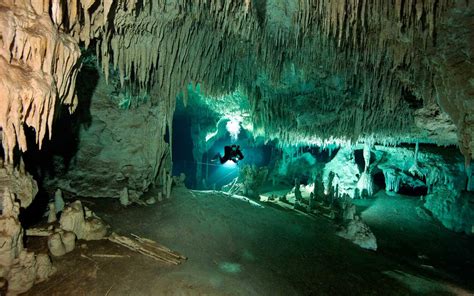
x: 18, y: 267
x: 44, y: 268
x: 56, y: 245
x: 359, y: 233
x: 19, y: 183
x: 124, y: 200
x: 52, y: 213
x: 61, y: 242
x: 73, y: 219
x: 22, y: 274
x: 455, y: 210
x: 11, y: 233
x: 94, y: 229
x: 38, y: 66
x: 349, y: 211
x: 151, y: 201
x: 179, y: 181
x: 69, y: 240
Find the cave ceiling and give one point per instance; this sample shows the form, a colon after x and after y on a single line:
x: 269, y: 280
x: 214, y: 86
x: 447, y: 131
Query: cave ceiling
x: 313, y: 71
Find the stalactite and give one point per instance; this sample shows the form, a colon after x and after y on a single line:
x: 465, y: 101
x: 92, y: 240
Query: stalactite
x: 366, y: 43
x: 38, y: 66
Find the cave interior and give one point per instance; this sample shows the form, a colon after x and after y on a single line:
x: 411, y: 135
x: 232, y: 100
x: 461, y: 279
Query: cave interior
x: 121, y: 123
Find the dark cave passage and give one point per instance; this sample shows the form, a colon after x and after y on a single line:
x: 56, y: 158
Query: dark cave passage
x: 413, y: 191
x: 379, y: 180
x: 183, y: 159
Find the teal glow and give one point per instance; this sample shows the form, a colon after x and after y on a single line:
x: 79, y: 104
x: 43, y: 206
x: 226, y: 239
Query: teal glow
x: 230, y: 267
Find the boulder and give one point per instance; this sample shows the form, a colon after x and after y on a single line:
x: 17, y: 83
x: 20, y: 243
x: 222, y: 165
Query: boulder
x: 359, y: 233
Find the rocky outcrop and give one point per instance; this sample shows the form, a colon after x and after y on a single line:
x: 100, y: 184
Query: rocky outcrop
x: 455, y: 210
x: 359, y: 233
x: 118, y: 149
x: 18, y: 182
x: 20, y: 268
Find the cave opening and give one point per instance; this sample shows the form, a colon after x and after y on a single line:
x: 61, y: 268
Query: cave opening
x: 415, y: 191
x: 379, y: 180
x: 183, y: 159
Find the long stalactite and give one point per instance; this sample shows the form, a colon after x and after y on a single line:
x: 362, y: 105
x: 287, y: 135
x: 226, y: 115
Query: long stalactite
x: 378, y: 49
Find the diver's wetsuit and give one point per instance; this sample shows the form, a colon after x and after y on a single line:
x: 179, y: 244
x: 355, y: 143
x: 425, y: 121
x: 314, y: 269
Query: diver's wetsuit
x: 231, y: 154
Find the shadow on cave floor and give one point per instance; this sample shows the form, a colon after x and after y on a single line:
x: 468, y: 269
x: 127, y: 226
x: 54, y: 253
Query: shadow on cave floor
x: 235, y: 248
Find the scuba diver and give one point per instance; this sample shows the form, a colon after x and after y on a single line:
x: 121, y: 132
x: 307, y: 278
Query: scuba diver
x: 230, y: 153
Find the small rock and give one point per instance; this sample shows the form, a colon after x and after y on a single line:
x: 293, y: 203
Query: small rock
x: 44, y: 268
x: 151, y: 201
x: 69, y: 240
x: 124, y: 200
x: 55, y: 245
x: 359, y: 233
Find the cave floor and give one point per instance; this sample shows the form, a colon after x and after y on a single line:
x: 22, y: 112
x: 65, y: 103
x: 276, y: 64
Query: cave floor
x: 235, y: 248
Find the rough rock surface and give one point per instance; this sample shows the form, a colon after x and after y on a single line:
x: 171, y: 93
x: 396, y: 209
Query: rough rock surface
x: 74, y: 219
x: 19, y: 267
x: 359, y: 233
x: 20, y: 183
x: 61, y: 242
x: 455, y: 210
x: 38, y: 66
x: 117, y: 149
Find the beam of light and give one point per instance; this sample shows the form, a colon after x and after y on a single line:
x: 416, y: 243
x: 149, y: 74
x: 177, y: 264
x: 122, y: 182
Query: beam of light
x: 229, y: 164
x: 211, y: 135
x: 233, y: 127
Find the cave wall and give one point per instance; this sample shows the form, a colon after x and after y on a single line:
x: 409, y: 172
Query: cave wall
x: 117, y: 147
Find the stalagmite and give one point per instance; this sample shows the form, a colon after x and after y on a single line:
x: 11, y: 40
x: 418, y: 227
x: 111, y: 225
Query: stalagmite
x: 52, y: 213
x: 87, y: 228
x: 124, y: 200
x: 56, y: 246
x: 415, y: 169
x: 58, y: 201
x: 366, y: 183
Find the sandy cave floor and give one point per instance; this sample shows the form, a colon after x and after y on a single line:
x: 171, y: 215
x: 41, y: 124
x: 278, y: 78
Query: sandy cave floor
x: 235, y: 248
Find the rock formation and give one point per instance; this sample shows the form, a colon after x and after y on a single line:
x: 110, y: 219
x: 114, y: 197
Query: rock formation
x: 359, y: 233
x: 20, y: 268
x: 85, y: 226
x: 396, y: 165
x: 455, y: 210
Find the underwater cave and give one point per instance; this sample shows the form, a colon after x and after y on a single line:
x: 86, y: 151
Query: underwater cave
x: 236, y: 147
